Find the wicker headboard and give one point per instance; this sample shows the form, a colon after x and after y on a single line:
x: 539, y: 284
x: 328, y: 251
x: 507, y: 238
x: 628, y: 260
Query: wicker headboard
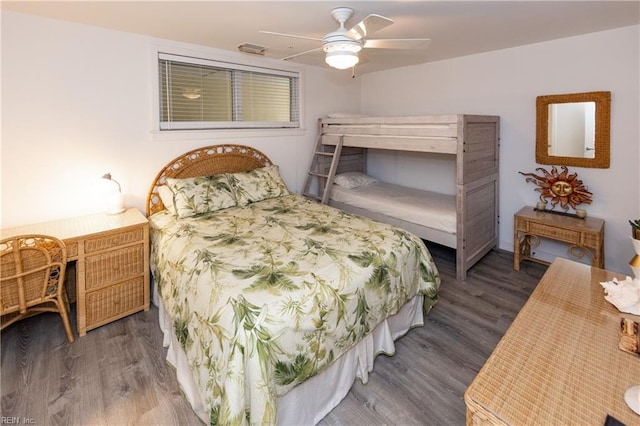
x: 205, y: 161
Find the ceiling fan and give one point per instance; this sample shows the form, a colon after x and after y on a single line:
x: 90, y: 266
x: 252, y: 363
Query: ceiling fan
x: 342, y: 46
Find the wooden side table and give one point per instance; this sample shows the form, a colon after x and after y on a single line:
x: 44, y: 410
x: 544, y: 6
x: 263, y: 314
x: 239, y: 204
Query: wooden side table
x: 112, y: 263
x: 584, y: 236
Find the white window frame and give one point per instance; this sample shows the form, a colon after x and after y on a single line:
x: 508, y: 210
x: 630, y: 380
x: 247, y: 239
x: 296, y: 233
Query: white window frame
x: 229, y: 59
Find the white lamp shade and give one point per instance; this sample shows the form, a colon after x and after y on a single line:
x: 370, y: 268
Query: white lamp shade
x: 114, y: 200
x: 115, y: 203
x: 341, y: 59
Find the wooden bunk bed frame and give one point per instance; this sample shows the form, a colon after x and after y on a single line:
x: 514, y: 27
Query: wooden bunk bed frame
x: 473, y: 140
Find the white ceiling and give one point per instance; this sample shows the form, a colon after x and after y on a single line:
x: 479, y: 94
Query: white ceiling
x: 456, y: 28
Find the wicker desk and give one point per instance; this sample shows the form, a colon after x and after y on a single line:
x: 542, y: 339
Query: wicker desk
x: 112, y: 263
x: 559, y: 362
x: 584, y: 236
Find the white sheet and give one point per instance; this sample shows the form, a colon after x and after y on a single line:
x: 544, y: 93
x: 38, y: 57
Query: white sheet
x: 425, y: 208
x: 310, y: 401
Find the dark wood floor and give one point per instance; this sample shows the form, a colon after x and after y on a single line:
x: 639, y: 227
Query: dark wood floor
x: 117, y: 374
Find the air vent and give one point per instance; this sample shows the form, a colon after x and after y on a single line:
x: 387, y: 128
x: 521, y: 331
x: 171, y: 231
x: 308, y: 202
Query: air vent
x: 252, y: 48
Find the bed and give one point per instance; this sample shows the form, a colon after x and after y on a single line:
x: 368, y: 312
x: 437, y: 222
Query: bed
x: 430, y: 215
x: 471, y: 142
x: 272, y: 304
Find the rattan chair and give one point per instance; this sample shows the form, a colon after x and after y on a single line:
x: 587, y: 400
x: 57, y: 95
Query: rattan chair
x: 32, y: 279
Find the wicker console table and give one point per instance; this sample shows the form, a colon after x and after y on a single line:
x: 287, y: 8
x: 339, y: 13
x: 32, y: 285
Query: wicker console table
x: 112, y: 263
x: 559, y: 362
x: 584, y: 236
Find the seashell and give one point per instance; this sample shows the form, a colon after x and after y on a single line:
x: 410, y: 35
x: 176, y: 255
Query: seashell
x: 624, y: 295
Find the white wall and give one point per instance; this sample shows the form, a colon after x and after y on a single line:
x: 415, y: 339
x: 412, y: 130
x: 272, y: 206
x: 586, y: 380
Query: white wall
x: 77, y: 102
x: 506, y: 83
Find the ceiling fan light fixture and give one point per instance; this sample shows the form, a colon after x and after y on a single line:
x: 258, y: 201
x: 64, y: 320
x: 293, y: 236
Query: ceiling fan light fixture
x: 342, y: 46
x: 342, y: 59
x: 191, y: 94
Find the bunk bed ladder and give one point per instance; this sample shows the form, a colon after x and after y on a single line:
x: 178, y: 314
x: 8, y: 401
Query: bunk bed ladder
x: 324, y: 165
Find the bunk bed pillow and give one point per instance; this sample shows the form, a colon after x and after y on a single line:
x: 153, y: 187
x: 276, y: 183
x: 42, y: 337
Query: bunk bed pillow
x: 353, y: 179
x: 199, y: 195
x: 257, y: 185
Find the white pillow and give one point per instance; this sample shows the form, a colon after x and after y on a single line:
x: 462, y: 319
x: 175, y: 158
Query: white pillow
x: 166, y: 195
x: 353, y: 179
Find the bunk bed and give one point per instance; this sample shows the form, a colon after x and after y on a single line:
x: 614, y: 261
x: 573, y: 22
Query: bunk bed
x: 472, y: 141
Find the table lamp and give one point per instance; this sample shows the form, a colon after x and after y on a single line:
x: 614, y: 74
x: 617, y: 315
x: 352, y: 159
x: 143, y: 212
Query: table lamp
x: 115, y: 203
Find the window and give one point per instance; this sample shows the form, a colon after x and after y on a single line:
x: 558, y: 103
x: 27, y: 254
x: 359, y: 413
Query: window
x: 204, y: 94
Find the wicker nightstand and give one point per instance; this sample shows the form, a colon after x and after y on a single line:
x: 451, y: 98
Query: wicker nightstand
x: 112, y: 263
x: 584, y: 236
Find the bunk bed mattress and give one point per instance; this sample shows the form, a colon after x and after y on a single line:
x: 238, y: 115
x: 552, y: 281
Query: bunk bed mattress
x: 425, y: 208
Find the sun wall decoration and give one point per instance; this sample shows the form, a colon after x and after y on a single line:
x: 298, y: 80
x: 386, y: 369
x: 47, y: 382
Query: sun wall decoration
x: 559, y: 188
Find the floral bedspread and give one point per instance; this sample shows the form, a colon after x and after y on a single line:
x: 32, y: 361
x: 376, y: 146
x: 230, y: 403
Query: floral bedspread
x: 265, y: 296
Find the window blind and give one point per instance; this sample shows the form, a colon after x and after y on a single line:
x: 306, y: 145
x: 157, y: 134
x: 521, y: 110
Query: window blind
x: 203, y: 94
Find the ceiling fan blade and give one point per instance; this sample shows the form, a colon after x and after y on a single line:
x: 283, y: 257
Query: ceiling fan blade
x: 295, y: 55
x: 290, y: 35
x: 398, y: 43
x: 369, y: 25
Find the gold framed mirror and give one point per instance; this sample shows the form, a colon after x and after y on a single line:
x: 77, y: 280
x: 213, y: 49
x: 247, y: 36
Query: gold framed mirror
x: 574, y: 129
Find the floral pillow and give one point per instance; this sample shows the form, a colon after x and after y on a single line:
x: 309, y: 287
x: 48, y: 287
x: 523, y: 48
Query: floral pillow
x: 257, y: 185
x: 198, y: 195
